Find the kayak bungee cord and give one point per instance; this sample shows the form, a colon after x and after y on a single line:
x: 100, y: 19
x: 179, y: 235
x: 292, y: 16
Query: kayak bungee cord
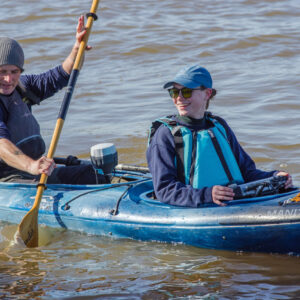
x: 115, y: 211
x: 66, y: 206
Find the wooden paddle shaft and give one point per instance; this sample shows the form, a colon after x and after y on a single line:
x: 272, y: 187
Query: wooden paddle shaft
x: 28, y: 228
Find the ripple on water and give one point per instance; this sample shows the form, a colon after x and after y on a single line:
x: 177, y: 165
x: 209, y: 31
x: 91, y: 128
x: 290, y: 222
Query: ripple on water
x: 252, y: 51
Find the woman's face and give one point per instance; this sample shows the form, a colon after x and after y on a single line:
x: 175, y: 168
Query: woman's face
x: 194, y: 106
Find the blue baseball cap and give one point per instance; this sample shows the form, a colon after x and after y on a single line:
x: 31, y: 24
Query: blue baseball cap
x: 192, y: 77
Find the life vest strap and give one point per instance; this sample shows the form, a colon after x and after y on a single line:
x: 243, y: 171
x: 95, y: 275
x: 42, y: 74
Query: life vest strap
x: 220, y: 155
x: 179, y: 150
x: 193, y: 160
x: 157, y: 123
x: 5, y: 111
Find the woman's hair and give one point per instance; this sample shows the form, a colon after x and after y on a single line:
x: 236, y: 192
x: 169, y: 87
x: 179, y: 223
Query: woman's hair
x: 214, y: 93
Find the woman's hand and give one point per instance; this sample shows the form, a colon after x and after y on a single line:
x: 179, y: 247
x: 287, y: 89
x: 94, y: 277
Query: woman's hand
x: 221, y: 193
x: 289, y: 182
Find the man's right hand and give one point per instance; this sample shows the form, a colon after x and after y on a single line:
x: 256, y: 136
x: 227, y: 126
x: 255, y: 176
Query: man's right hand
x: 43, y: 165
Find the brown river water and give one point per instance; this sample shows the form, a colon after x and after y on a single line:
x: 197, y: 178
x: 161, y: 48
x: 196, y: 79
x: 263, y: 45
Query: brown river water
x: 251, y: 47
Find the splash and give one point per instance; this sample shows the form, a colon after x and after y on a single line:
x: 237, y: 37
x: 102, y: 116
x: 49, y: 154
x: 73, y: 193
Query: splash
x: 47, y: 235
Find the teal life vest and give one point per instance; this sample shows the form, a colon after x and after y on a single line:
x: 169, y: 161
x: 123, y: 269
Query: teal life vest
x: 204, y: 158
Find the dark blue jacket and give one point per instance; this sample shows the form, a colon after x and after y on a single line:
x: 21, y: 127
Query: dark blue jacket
x: 161, y: 162
x: 43, y: 85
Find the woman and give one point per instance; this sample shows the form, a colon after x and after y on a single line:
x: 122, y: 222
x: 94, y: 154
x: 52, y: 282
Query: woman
x: 194, y: 155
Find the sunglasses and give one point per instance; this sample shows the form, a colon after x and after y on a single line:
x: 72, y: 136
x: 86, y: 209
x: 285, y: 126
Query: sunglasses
x: 185, y: 92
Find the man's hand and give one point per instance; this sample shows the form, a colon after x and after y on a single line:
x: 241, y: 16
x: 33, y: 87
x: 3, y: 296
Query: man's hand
x: 80, y: 33
x: 43, y: 165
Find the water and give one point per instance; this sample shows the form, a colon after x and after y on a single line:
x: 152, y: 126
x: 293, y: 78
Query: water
x: 252, y: 49
x: 75, y: 265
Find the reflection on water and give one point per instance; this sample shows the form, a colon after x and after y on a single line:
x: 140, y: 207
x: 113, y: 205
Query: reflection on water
x: 252, y: 50
x: 80, y: 265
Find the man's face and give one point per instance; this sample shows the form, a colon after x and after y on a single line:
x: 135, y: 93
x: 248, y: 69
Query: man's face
x: 9, y: 78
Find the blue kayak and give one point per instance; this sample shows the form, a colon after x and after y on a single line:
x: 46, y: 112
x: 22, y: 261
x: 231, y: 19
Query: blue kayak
x: 127, y: 209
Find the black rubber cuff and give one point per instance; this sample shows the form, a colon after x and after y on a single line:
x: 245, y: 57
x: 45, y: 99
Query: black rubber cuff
x: 41, y: 184
x: 92, y: 15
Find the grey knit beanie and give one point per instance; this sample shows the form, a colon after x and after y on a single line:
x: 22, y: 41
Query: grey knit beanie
x: 11, y: 53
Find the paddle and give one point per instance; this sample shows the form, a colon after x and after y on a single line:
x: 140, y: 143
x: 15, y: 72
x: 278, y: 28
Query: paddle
x: 28, y: 228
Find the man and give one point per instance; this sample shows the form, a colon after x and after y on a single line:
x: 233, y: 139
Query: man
x: 21, y: 145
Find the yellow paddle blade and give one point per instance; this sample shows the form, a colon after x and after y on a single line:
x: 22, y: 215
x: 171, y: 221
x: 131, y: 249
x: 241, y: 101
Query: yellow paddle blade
x: 28, y: 228
x: 27, y: 232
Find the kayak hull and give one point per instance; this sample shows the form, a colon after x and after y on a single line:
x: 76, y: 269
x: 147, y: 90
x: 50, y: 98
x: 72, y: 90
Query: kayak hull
x: 126, y: 210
